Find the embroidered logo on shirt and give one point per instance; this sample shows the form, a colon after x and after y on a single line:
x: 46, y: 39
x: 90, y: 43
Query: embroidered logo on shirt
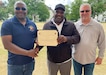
x: 31, y: 28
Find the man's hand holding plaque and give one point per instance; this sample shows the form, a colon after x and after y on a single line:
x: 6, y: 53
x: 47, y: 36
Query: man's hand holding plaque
x: 61, y: 39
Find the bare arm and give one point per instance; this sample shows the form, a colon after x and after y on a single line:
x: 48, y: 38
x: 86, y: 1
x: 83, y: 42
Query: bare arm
x: 7, y: 42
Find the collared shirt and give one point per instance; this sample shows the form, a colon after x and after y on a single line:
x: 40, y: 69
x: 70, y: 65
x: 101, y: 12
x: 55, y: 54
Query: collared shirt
x: 92, y: 36
x: 59, y: 28
x: 22, y: 36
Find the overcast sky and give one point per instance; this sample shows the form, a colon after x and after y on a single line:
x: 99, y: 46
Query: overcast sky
x: 52, y: 3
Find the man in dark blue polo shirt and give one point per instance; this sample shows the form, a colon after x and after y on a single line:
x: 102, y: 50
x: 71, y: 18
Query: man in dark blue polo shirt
x: 18, y: 36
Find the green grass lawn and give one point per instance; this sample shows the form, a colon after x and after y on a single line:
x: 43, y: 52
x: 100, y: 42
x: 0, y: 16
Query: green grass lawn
x: 41, y: 61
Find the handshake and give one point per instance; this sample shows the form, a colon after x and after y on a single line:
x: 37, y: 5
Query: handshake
x: 34, y: 52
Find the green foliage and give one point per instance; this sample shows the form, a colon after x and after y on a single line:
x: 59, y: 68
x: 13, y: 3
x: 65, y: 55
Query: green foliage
x: 31, y: 6
x: 98, y: 7
x: 74, y: 10
x: 68, y: 12
x: 3, y: 13
x: 35, y: 8
x: 42, y: 11
x: 10, y: 6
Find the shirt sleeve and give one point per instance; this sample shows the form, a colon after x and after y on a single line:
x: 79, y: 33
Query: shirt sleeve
x: 75, y: 38
x: 6, y: 28
x: 101, y: 43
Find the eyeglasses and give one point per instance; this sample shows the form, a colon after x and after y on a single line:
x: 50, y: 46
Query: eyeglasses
x: 84, y: 11
x: 18, y: 8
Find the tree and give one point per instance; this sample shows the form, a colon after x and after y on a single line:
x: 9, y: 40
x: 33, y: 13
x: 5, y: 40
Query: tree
x: 43, y: 12
x: 72, y: 10
x: 35, y: 8
x: 31, y: 6
x: 75, y: 9
x: 68, y: 12
x: 3, y: 13
x: 3, y: 10
x: 98, y: 7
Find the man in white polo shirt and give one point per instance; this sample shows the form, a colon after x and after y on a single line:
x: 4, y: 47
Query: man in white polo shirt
x: 92, y: 36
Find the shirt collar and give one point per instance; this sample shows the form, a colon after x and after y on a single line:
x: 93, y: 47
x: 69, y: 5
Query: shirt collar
x: 60, y: 23
x: 16, y: 20
x: 90, y: 23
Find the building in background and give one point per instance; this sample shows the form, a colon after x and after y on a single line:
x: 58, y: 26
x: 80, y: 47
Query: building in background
x: 3, y: 2
x: 101, y: 17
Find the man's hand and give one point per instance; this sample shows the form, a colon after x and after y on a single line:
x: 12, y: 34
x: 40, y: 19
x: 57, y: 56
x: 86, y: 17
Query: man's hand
x: 98, y: 61
x: 33, y: 52
x: 36, y: 50
x: 61, y: 39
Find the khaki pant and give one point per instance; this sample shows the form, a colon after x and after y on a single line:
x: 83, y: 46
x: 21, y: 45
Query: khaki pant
x: 64, y: 68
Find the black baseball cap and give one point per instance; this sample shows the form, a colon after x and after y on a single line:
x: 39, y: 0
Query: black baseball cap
x: 60, y: 6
